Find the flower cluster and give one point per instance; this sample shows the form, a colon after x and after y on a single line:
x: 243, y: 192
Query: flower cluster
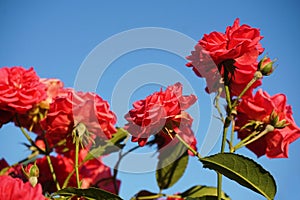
x: 46, y: 108
x: 231, y: 59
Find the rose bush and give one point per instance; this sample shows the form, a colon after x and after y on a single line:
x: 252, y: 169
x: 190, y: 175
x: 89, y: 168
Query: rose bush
x: 73, y: 130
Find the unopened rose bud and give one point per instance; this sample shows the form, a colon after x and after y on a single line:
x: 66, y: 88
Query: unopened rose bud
x: 33, y: 180
x: 265, y: 66
x: 34, y: 171
x: 32, y: 174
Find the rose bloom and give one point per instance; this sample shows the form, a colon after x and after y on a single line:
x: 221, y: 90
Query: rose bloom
x: 160, y: 111
x: 260, y: 107
x: 15, y: 189
x: 235, y: 51
x: 30, y: 120
x: 20, y: 89
x: 68, y: 110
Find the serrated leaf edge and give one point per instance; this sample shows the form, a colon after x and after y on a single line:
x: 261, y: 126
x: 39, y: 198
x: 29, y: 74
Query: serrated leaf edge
x: 253, y: 185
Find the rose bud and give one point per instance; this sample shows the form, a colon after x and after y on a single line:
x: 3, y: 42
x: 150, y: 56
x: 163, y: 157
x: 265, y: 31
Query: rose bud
x: 265, y: 66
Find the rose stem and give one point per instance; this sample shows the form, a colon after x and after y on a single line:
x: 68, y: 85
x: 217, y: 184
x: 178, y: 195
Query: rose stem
x: 76, y: 161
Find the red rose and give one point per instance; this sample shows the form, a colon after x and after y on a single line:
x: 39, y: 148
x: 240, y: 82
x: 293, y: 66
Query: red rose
x: 72, y: 108
x: 243, y: 43
x: 163, y: 109
x: 235, y: 51
x: 20, y: 89
x: 15, y: 189
x: 268, y: 110
x: 30, y: 120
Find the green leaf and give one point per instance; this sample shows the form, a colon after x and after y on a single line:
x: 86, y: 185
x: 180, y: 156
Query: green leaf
x: 110, y: 145
x: 93, y: 193
x: 244, y: 171
x: 202, y: 198
x: 204, y: 192
x: 144, y: 194
x: 171, y: 165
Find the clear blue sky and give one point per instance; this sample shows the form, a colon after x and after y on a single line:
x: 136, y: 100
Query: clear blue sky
x: 56, y: 36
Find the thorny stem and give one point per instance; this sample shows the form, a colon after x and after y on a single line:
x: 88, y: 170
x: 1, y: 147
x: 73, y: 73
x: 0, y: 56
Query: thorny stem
x: 70, y: 175
x: 224, y: 136
x: 188, y: 146
x: 31, y: 141
x: 116, y: 167
x: 52, y: 172
x: 116, y: 172
x: 217, y: 104
x: 258, y: 75
x: 227, y: 122
x: 232, y: 136
x: 76, y: 161
x: 228, y: 98
x: 230, y: 119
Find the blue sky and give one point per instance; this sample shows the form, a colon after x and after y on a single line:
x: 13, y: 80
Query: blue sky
x: 56, y: 36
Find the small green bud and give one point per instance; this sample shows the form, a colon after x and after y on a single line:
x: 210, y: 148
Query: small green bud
x: 265, y: 66
x: 33, y: 180
x: 32, y: 175
x: 34, y: 171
